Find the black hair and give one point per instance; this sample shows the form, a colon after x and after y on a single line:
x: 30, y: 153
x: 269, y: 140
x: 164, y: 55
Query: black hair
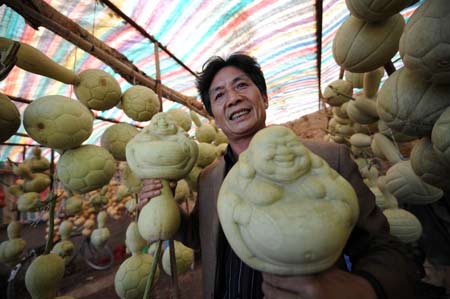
x: 212, y: 66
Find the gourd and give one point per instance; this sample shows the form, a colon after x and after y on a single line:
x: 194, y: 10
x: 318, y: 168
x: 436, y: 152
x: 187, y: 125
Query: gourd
x: 362, y: 110
x: 140, y: 103
x: 65, y: 247
x: 205, y: 132
x: 37, y: 163
x: 429, y: 165
x: 338, y: 92
x: 440, y: 136
x: 409, y: 105
x: 360, y: 47
x: 221, y: 138
x: 58, y: 122
x: 403, y: 224
x: 375, y: 10
x: 184, y: 257
x: 34, y: 61
x: 371, y: 82
x: 29, y: 202
x: 130, y: 278
x: 86, y: 168
x: 44, y: 275
x: 33, y: 182
x: 9, y: 118
x: 116, y: 137
x: 97, y: 90
x: 73, y: 205
x: 161, y: 150
x: 424, y: 45
x: 100, y: 235
x: 280, y: 194
x: 133, y: 183
x: 182, y: 191
x: 407, y: 187
x: 392, y: 134
x: 181, y: 117
x: 383, y: 148
x: 356, y: 79
x: 12, y: 249
x: 207, y: 153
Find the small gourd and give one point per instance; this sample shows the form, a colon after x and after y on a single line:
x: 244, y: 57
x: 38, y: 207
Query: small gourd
x: 184, y: 257
x: 37, y: 162
x: 140, y: 103
x: 100, y: 235
x: 161, y: 150
x: 403, y: 224
x: 116, y: 137
x: 65, y: 247
x: 29, y: 202
x: 181, y: 117
x: 338, y: 92
x: 73, y: 205
x: 280, y: 194
x: 12, y: 249
x: 205, y: 132
x: 131, y: 277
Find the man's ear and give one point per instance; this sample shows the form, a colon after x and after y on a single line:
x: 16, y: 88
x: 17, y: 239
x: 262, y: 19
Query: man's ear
x: 266, y: 101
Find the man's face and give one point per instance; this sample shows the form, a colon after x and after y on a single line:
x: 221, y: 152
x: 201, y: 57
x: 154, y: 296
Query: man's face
x: 238, y: 106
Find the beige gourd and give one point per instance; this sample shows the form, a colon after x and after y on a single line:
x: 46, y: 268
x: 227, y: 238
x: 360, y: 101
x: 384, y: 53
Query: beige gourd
x: 100, y: 235
x: 375, y: 10
x: 73, y: 205
x: 161, y: 150
x: 33, y: 182
x: 403, y: 224
x: 130, y: 278
x: 338, y: 92
x: 276, y: 187
x: 440, y: 136
x: 356, y: 79
x: 116, y: 137
x: 9, y: 117
x: 12, y: 249
x: 382, y: 147
x: 184, y: 257
x: 37, y: 163
x: 65, y: 247
x: 371, y: 82
x: 181, y: 117
x: 409, y: 105
x: 29, y: 202
x: 205, y: 132
x: 359, y: 46
x: 140, y: 103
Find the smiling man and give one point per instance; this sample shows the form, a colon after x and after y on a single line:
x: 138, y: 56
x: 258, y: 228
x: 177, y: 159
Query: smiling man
x: 234, y: 92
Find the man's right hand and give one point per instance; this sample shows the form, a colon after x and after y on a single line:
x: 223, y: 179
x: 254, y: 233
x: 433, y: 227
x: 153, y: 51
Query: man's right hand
x: 152, y: 188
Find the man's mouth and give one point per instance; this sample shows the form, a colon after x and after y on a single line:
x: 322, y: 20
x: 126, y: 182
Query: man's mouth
x: 239, y: 113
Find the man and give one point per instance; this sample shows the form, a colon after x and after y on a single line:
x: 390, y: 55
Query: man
x: 234, y: 93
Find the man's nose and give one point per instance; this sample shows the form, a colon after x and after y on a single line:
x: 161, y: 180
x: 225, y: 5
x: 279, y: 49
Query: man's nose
x: 233, y: 97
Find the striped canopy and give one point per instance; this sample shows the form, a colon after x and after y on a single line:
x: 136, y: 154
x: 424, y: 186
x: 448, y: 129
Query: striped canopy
x: 281, y: 34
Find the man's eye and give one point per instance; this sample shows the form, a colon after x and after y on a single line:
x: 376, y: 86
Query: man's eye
x: 219, y: 95
x: 241, y: 85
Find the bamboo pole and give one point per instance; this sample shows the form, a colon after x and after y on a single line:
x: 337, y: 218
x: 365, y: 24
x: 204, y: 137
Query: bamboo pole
x: 38, y: 13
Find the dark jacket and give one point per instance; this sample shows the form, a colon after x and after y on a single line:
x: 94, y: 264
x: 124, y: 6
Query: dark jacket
x: 373, y: 252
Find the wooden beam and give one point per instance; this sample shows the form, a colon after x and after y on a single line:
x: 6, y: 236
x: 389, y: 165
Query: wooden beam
x: 38, y: 13
x: 319, y: 24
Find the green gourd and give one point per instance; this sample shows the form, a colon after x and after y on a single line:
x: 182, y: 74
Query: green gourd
x: 65, y: 247
x: 37, y: 162
x: 403, y: 224
x: 161, y: 150
x: 9, y: 118
x: 181, y: 117
x: 44, y: 275
x: 184, y: 257
x: 131, y: 277
x: 116, y: 137
x: 12, y: 249
x: 276, y: 187
x: 100, y: 235
x: 338, y: 92
x: 140, y: 103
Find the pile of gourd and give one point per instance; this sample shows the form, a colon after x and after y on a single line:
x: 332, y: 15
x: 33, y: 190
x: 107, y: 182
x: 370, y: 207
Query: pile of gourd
x: 412, y: 104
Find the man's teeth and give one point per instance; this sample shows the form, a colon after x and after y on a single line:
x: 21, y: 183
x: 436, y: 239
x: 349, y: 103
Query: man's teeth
x: 239, y: 114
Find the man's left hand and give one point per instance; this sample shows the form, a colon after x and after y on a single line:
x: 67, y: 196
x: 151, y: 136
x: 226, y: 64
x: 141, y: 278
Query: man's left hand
x: 330, y: 284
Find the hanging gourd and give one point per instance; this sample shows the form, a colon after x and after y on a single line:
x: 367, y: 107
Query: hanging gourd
x: 116, y: 137
x: 85, y: 168
x: 140, y: 103
x: 130, y: 278
x: 338, y: 92
x: 73, y: 205
x: 409, y: 105
x: 425, y: 44
x: 429, y: 165
x: 161, y: 150
x: 375, y: 10
x: 29, y: 202
x: 12, y: 249
x: 9, y: 118
x: 100, y: 235
x: 184, y: 257
x: 97, y: 90
x: 33, y: 182
x: 403, y: 224
x: 181, y: 117
x: 278, y: 195
x: 65, y: 247
x: 58, y: 122
x: 37, y: 162
x: 440, y: 136
x: 359, y: 46
x: 205, y: 132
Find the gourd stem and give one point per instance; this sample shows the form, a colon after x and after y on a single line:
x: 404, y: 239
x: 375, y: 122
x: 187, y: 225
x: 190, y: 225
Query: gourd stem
x: 173, y: 269
x: 166, y: 191
x: 151, y: 275
x: 51, y: 224
x: 136, y: 199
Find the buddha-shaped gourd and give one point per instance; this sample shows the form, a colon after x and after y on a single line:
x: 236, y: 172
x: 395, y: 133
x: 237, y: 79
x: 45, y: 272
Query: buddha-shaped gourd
x: 283, y: 209
x: 131, y: 276
x: 65, y: 247
x: 161, y: 150
x: 11, y: 250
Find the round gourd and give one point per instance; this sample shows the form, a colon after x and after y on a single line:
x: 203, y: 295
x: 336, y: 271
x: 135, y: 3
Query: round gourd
x: 375, y: 10
x: 58, y: 122
x: 361, y: 47
x: 181, y: 117
x: 29, y: 202
x: 221, y: 138
x: 44, y: 275
x: 86, y: 168
x: 184, y: 257
x: 425, y: 42
x: 207, y: 153
x: 403, y: 224
x: 116, y: 137
x: 407, y: 187
x: 280, y: 194
x: 97, y: 90
x: 440, y: 136
x: 409, y: 105
x: 338, y: 92
x: 9, y: 118
x: 12, y: 249
x: 429, y: 166
x: 37, y: 163
x: 73, y: 205
x: 392, y: 134
x: 206, y: 133
x: 140, y: 103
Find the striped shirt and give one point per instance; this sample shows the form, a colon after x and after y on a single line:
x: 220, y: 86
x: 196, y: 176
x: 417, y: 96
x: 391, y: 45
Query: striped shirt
x: 234, y: 278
